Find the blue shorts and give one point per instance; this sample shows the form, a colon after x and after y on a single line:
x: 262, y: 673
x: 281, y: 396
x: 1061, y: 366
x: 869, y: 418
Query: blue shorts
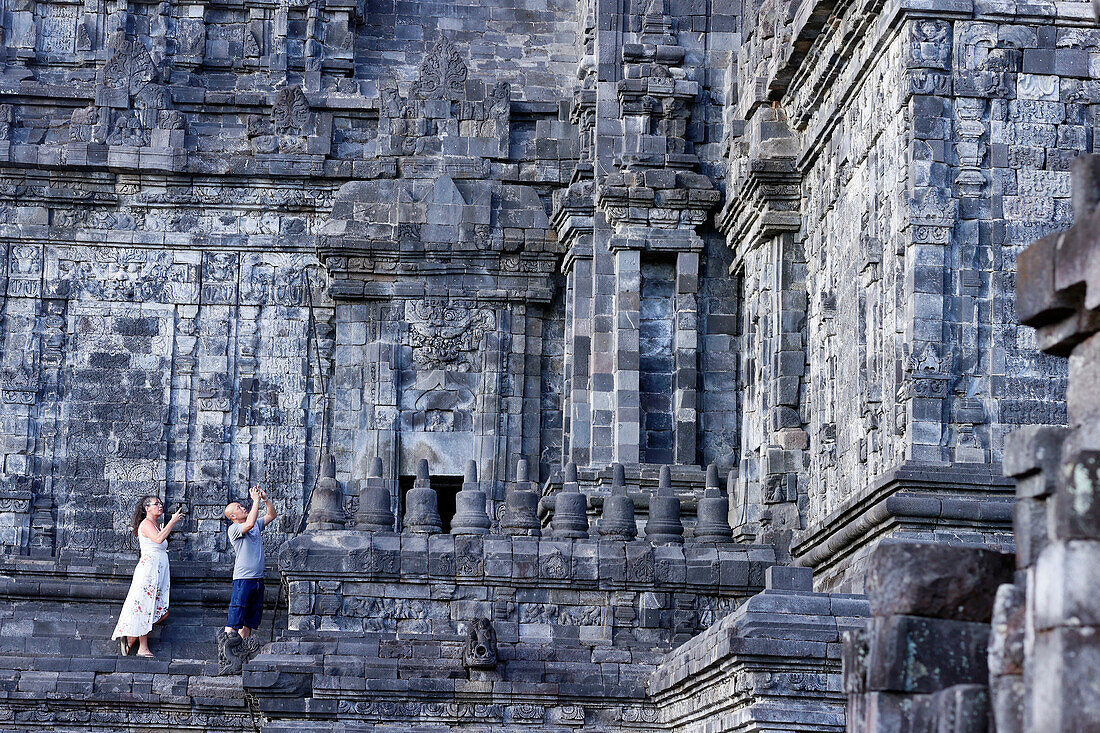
x: 247, y: 603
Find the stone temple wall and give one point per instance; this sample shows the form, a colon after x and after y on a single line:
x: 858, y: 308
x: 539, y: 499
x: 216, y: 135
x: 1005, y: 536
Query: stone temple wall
x: 131, y: 371
x: 168, y: 325
x: 374, y: 238
x: 242, y: 242
x: 876, y: 201
x: 965, y: 639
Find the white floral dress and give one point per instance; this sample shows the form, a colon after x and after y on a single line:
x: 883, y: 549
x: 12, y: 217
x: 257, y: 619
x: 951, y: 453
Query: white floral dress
x: 147, y: 601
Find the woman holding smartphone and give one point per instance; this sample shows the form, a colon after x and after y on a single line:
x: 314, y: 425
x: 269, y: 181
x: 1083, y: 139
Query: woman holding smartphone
x: 147, y: 601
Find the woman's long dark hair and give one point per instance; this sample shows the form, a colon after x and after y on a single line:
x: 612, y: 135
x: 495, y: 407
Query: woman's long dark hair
x: 139, y: 512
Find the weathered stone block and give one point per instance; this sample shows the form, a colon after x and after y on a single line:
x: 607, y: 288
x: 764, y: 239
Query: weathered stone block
x: 1075, y: 506
x: 779, y: 577
x: 960, y: 709
x: 936, y: 580
x: 1062, y: 679
x: 1031, y: 449
x: 1064, y: 582
x: 913, y: 654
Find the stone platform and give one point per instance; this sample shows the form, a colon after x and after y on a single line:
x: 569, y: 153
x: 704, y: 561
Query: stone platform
x: 772, y: 665
x: 59, y: 670
x: 380, y: 627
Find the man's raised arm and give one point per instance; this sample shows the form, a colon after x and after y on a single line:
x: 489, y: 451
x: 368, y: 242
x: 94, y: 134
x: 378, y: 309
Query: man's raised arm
x: 249, y: 523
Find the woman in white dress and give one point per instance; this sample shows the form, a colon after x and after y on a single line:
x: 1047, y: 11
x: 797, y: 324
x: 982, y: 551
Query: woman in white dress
x: 147, y: 601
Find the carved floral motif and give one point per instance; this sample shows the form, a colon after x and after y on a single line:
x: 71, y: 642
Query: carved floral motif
x: 442, y: 73
x: 129, y: 66
x: 290, y: 112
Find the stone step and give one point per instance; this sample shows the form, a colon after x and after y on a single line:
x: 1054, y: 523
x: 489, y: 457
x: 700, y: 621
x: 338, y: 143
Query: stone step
x: 100, y: 693
x: 175, y: 638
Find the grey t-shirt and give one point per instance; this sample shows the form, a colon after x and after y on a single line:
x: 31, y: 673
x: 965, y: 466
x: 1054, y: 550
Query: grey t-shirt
x: 249, y: 549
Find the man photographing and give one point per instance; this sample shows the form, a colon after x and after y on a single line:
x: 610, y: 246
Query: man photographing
x: 247, y: 602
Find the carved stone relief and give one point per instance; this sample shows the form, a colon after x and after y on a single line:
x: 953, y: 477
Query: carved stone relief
x: 447, y: 334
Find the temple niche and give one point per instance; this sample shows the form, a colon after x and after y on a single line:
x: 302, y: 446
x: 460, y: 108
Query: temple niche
x: 442, y: 274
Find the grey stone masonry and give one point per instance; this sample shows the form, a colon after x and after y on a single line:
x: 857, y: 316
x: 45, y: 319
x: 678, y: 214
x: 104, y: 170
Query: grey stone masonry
x: 208, y: 282
x: 950, y: 504
x: 377, y: 622
x: 236, y: 240
x: 773, y: 664
x: 59, y: 669
x: 876, y: 200
x: 1044, y: 653
x: 922, y: 662
x: 475, y: 289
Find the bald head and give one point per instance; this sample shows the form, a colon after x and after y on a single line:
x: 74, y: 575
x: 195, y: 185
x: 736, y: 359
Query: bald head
x: 235, y: 512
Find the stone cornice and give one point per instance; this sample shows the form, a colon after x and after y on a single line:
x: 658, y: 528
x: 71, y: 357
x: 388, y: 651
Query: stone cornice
x: 650, y: 239
x: 764, y: 202
x: 580, y: 251
x: 818, y: 23
x: 826, y: 35
x: 910, y: 496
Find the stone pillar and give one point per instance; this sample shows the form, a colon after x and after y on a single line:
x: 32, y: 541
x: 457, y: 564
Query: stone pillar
x: 685, y: 411
x: 628, y: 284
x: 578, y: 418
x: 648, y: 202
x: 1053, y: 610
x: 768, y: 261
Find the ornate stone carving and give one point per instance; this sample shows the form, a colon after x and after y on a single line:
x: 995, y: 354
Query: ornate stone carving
x: 83, y: 123
x: 480, y: 649
x: 930, y: 44
x: 445, y: 334
x: 443, y: 73
x: 554, y: 565
x: 128, y: 130
x: 129, y: 67
x: 7, y: 117
x: 234, y: 652
x: 57, y: 28
x: 290, y: 112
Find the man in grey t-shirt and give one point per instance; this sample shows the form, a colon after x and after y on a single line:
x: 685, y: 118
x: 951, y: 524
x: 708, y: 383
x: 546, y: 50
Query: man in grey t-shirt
x: 247, y: 602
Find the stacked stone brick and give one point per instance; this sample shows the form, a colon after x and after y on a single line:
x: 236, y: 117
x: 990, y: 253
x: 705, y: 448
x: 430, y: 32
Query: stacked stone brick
x: 59, y: 669
x: 922, y: 662
x: 895, y: 320
x: 343, y: 249
x: 773, y: 664
x: 1044, y: 653
x: 928, y: 659
x: 379, y: 623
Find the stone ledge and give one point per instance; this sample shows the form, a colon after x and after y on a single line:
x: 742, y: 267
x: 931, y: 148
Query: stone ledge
x: 911, y: 498
x: 775, y: 662
x: 95, y: 693
x: 349, y: 555
x: 303, y: 677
